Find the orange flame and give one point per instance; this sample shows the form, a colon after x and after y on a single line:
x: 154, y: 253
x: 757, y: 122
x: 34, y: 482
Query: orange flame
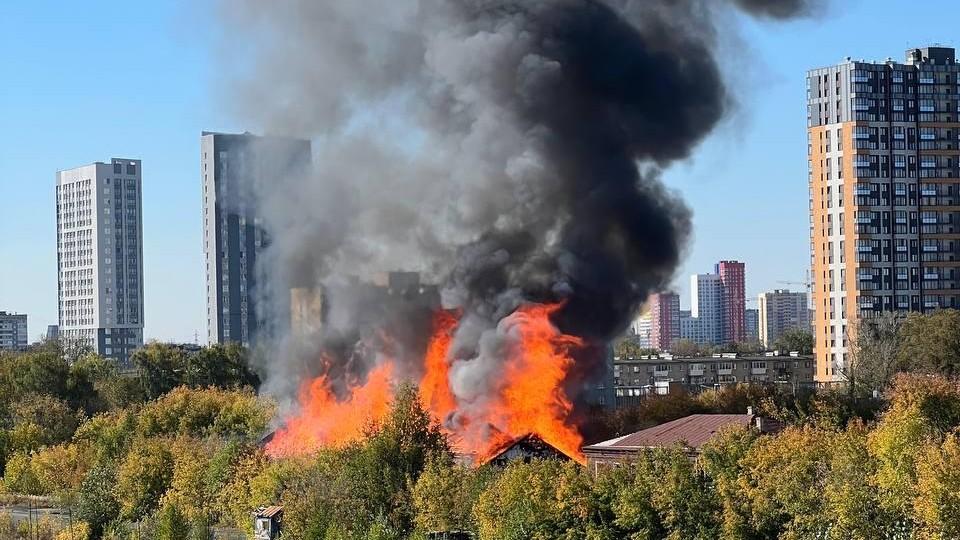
x: 527, y: 398
x: 326, y: 421
x: 435, y: 393
x: 532, y: 399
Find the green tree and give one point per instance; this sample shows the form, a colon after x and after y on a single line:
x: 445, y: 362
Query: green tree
x: 172, y: 523
x: 520, y: 504
x: 850, y: 500
x: 720, y: 460
x: 445, y: 494
x: 686, y: 348
x: 143, y: 477
x: 931, y: 342
x: 96, y: 503
x: 50, y: 420
x: 783, y: 481
x: 628, y: 347
x: 161, y: 368
x: 798, y: 339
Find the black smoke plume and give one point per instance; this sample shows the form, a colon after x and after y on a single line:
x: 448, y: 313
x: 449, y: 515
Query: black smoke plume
x: 511, y: 150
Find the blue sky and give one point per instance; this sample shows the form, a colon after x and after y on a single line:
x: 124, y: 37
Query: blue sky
x: 86, y: 81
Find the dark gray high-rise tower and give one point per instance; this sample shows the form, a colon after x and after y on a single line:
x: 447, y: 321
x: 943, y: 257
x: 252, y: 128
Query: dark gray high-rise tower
x: 235, y: 168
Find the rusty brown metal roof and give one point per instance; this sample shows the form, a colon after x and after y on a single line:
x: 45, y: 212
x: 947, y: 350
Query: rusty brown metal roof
x: 691, y: 431
x: 270, y: 511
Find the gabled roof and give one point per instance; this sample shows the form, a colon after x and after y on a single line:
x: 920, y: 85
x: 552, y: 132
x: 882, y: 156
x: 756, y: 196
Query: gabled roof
x: 524, y: 447
x: 270, y: 511
x: 691, y: 431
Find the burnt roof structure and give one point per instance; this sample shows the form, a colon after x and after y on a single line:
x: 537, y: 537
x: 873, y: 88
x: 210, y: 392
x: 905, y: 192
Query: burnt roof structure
x: 525, y: 448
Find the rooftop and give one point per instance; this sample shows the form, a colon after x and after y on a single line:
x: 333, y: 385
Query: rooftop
x: 691, y: 431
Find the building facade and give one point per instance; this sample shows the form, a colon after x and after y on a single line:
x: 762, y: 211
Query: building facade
x: 664, y: 310
x: 884, y: 178
x: 658, y: 374
x: 706, y: 308
x: 642, y: 329
x: 13, y: 331
x: 100, y: 257
x: 233, y: 168
x: 733, y: 300
x: 751, y: 323
x: 780, y: 311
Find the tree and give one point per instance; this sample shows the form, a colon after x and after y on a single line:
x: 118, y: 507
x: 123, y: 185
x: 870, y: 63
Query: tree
x: 686, y: 348
x: 61, y: 469
x: 628, y: 347
x: 666, y: 499
x: 782, y: 483
x: 96, y: 503
x: 445, y: 494
x: 851, y: 501
x: 161, y: 368
x: 922, y: 410
x: 520, y: 503
x: 172, y: 524
x: 797, y: 339
x: 930, y: 343
x: 937, y: 503
x: 720, y: 460
x: 875, y: 354
x: 143, y: 477
x: 49, y: 418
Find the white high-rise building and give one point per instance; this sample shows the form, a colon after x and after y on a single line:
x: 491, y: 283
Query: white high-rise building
x: 706, y: 306
x: 100, y: 257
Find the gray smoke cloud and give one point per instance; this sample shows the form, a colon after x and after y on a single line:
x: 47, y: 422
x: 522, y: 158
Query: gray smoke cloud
x: 510, y: 150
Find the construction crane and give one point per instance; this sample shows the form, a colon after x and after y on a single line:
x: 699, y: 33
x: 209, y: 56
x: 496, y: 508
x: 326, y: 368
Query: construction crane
x: 807, y: 283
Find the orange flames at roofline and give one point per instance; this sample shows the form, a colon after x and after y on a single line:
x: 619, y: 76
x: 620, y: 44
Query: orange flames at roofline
x: 528, y: 398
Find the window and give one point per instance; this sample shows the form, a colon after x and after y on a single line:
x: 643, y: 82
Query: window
x: 117, y: 169
x: 131, y: 168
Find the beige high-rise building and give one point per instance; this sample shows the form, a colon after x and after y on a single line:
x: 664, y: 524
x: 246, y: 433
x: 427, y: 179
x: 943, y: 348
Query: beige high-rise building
x: 884, y: 194
x: 780, y: 311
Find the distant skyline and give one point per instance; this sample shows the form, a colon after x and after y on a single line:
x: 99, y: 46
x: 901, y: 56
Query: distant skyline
x: 86, y: 82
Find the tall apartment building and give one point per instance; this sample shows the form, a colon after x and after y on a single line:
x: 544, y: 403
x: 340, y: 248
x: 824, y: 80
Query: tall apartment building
x: 641, y: 329
x: 13, y: 331
x: 232, y: 168
x: 780, y: 311
x: 706, y: 307
x: 100, y: 257
x: 664, y: 320
x: 884, y: 193
x: 733, y: 300
x: 751, y: 323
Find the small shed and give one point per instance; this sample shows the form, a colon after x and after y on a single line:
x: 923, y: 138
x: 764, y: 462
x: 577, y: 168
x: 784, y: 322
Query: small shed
x: 266, y: 523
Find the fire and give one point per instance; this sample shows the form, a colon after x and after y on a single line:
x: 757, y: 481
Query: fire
x: 531, y: 397
x: 435, y: 392
x: 526, y: 398
x: 325, y: 420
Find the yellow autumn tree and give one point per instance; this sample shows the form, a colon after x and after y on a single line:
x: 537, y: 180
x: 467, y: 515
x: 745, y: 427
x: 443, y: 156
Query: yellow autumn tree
x: 937, y: 501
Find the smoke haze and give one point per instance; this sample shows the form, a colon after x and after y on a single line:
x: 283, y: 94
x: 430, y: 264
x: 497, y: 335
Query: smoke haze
x: 510, y: 150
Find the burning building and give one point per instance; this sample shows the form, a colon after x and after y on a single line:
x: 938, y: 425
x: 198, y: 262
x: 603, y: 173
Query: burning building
x: 511, y: 148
